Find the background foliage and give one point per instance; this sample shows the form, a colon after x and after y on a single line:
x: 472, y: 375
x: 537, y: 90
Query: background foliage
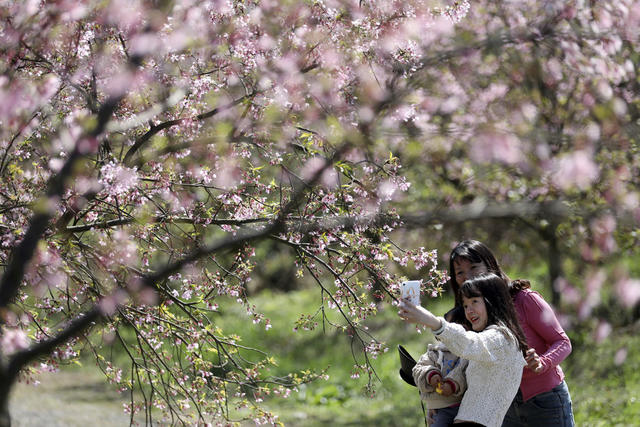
x: 165, y: 164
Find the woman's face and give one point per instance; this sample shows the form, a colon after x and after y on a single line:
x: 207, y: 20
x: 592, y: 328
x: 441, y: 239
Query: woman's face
x: 475, y: 311
x: 465, y: 270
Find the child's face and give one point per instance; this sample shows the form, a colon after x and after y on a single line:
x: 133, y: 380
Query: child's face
x: 465, y: 270
x: 475, y: 311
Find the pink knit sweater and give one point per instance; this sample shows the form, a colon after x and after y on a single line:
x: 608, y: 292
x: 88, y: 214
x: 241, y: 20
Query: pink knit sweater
x: 546, y: 336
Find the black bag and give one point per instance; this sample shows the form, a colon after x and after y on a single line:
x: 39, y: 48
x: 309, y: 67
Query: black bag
x: 406, y: 365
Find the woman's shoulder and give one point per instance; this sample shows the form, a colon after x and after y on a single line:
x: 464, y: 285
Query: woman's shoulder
x: 528, y: 296
x: 532, y: 307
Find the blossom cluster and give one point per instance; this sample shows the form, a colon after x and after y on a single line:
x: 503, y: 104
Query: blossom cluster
x: 172, y: 152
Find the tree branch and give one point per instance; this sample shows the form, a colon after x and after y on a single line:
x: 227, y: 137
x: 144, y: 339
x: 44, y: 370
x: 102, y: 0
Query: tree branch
x: 168, y: 124
x: 471, y: 212
x: 163, y: 220
x: 483, y: 210
x: 23, y: 252
x: 73, y: 329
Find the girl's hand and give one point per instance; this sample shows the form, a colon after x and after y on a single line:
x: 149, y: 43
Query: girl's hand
x: 417, y: 314
x: 434, y: 380
x: 533, y: 361
x: 446, y: 388
x: 431, y: 416
x: 409, y: 311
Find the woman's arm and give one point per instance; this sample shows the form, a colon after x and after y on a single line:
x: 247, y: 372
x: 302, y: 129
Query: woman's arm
x: 540, y: 317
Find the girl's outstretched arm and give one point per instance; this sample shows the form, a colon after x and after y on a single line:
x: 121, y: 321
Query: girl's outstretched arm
x: 418, y: 314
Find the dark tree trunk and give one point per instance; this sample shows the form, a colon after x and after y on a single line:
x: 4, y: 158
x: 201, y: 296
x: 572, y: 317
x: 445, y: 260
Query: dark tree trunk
x: 5, y: 388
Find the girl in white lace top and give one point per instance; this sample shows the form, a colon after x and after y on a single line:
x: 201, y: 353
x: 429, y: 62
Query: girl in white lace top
x: 494, y: 345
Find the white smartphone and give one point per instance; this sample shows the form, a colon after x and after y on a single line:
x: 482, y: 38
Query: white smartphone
x: 411, y: 291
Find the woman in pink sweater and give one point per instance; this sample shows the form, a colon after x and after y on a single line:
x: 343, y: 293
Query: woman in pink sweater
x: 543, y: 398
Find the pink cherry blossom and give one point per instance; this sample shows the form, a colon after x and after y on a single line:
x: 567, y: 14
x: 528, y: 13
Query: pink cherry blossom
x: 13, y: 340
x: 160, y: 160
x: 490, y: 147
x: 574, y: 170
x: 628, y: 291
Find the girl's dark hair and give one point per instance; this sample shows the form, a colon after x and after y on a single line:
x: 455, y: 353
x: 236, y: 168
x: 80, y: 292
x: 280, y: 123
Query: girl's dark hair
x: 500, y: 308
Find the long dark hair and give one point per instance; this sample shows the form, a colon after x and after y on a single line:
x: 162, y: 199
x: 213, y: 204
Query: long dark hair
x: 499, y: 304
x: 475, y: 251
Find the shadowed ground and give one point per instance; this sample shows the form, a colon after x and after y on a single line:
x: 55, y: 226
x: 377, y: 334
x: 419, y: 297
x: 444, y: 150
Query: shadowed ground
x: 75, y: 397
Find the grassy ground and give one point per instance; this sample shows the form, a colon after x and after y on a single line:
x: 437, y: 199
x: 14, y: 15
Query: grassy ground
x: 604, y: 392
x: 72, y: 397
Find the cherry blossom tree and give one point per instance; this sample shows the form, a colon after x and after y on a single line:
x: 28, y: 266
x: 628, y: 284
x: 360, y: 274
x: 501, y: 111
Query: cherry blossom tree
x: 147, y: 148
x: 536, y: 120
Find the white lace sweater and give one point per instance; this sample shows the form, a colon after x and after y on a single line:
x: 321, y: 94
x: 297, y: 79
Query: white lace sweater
x: 493, y: 374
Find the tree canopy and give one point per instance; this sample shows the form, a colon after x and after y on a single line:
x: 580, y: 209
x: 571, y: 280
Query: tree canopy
x: 148, y: 148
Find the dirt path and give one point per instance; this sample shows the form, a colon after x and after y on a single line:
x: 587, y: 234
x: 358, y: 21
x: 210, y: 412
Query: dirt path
x: 73, y: 397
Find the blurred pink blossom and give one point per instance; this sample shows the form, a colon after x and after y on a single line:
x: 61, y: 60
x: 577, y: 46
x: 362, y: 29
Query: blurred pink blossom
x: 553, y: 71
x: 145, y: 43
x: 329, y: 177
x: 88, y: 145
x: 386, y: 190
x: 118, y: 179
x: 604, y: 91
x: 177, y: 40
x: 575, y: 169
x: 49, y: 87
x: 588, y: 100
x: 72, y: 10
x: 13, y: 340
x: 488, y: 147
x: 120, y: 83
x: 126, y: 14
x: 628, y: 291
x: 602, y: 230
x: 602, y: 331
x: 109, y: 304
x: 593, y: 286
x: 228, y: 175
x: 620, y: 356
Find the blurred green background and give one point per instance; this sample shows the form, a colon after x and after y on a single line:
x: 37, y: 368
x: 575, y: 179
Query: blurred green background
x: 604, y: 391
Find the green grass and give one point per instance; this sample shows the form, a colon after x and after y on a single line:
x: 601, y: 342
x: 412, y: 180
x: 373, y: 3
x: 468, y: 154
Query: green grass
x: 341, y: 399
x: 75, y: 396
x: 603, y: 393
